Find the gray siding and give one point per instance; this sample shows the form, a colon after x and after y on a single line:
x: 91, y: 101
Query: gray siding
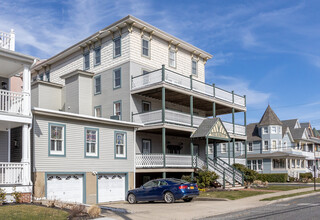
x: 35, y: 95
x: 72, y: 94
x: 4, y: 146
x: 109, y: 95
x: 85, y: 95
x: 75, y: 161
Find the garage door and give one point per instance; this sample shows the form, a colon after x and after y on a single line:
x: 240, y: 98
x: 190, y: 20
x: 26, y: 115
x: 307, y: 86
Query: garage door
x: 111, y: 187
x: 67, y: 188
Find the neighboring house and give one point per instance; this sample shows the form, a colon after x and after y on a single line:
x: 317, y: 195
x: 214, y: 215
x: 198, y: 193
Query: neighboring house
x: 15, y: 119
x: 276, y: 146
x: 133, y: 72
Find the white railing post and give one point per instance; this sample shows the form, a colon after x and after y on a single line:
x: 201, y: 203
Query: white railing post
x: 12, y: 40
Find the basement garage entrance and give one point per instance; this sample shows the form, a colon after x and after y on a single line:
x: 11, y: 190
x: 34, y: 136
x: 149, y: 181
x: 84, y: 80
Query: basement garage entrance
x: 111, y: 187
x: 66, y: 187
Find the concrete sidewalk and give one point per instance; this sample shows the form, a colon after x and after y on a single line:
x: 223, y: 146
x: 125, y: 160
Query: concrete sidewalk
x: 193, y: 210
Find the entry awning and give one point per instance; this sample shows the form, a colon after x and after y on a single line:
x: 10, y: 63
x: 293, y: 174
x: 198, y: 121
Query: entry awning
x: 211, y: 128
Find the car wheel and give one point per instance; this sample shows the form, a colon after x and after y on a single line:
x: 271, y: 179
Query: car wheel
x: 188, y: 200
x: 168, y: 197
x: 132, y: 198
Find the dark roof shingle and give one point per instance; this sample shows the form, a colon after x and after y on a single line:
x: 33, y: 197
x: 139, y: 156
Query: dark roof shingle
x: 269, y: 118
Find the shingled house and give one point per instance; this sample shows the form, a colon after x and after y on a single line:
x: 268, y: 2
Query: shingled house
x: 276, y: 146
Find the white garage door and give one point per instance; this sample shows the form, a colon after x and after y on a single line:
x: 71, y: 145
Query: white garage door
x: 67, y: 188
x: 111, y: 187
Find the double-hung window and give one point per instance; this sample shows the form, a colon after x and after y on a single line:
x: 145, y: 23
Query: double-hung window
x: 146, y: 106
x: 274, y: 145
x: 86, y: 60
x: 266, y: 145
x: 97, y: 56
x: 57, y: 140
x: 210, y: 149
x: 97, y: 85
x: 250, y: 146
x: 223, y: 148
x: 172, y: 58
x: 265, y: 130
x: 117, y: 78
x: 146, y: 146
x: 194, y: 67
x: 273, y: 130
x: 120, y: 145
x: 92, y: 142
x: 145, y: 47
x: 249, y: 164
x: 238, y: 147
x: 117, y: 109
x: 254, y: 165
x: 97, y: 111
x: 117, y: 47
x: 41, y: 77
x: 47, y: 74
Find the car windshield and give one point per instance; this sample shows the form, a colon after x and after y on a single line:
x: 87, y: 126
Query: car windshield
x: 178, y: 181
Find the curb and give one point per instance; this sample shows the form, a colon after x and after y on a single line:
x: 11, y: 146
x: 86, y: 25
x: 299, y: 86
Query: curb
x: 119, y: 210
x: 290, y: 198
x: 210, y: 199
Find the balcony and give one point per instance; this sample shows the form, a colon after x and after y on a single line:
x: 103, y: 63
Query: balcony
x: 13, y: 173
x: 179, y: 118
x: 7, y: 40
x: 12, y: 102
x: 187, y: 83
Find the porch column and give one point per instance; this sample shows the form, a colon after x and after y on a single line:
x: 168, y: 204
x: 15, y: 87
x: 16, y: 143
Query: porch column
x: 214, y: 109
x: 233, y: 120
x: 25, y: 156
x: 163, y: 105
x: 207, y: 143
x: 234, y: 160
x: 229, y: 152
x: 191, y: 149
x: 26, y: 90
x: 245, y: 151
x: 164, y: 150
x: 191, y: 110
x: 215, y: 150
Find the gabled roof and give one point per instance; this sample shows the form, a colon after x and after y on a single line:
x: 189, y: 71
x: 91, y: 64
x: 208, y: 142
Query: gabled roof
x: 305, y: 125
x: 316, y: 133
x: 269, y: 118
x: 290, y: 123
x: 212, y: 128
x: 297, y: 133
x: 253, y: 132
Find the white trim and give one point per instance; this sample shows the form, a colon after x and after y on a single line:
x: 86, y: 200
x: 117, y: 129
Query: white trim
x: 68, y: 115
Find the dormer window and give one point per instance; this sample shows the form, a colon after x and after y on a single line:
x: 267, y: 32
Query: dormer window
x: 265, y: 130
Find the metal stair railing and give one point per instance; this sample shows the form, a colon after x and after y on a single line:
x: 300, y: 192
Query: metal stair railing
x: 238, y: 175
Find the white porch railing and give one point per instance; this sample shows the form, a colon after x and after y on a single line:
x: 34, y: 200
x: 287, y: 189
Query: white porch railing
x: 7, y: 40
x: 156, y: 160
x: 181, y: 118
x: 186, y: 82
x: 13, y: 173
x: 12, y: 102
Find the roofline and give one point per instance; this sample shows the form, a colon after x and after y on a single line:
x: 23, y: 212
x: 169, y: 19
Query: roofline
x: 114, y: 25
x: 26, y: 59
x: 68, y: 115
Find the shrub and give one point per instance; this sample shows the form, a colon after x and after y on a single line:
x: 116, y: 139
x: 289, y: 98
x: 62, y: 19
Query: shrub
x: 2, y: 196
x: 273, y: 177
x: 249, y: 175
x: 76, y: 209
x: 94, y: 211
x: 187, y: 178
x: 206, y: 178
x: 16, y: 195
x: 306, y: 176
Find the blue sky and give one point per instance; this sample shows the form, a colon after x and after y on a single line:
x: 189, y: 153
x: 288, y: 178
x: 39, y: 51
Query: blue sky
x: 268, y: 50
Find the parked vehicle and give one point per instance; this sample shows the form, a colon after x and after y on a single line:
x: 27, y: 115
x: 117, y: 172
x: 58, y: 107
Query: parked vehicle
x: 167, y: 190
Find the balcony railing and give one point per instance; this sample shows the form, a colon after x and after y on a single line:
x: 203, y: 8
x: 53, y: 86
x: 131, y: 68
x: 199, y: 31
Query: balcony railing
x: 180, y: 118
x: 185, y: 82
x: 7, y: 40
x: 13, y: 173
x: 156, y: 160
x: 12, y: 102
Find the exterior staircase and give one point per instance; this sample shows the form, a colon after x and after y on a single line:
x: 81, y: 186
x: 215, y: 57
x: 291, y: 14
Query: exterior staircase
x: 229, y: 177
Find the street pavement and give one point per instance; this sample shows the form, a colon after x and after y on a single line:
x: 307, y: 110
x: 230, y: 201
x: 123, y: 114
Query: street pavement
x: 293, y: 209
x: 192, y: 210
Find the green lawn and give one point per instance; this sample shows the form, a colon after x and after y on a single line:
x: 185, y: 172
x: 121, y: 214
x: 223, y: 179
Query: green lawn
x: 288, y: 196
x: 283, y: 188
x: 235, y: 194
x: 26, y: 212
